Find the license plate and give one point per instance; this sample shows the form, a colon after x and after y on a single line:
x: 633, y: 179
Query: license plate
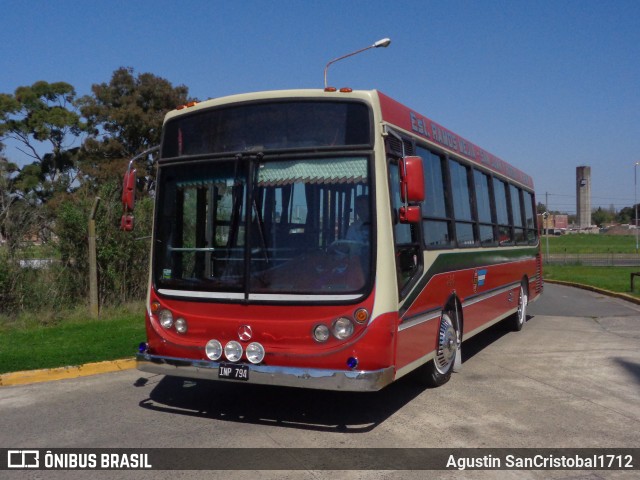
x: 233, y: 372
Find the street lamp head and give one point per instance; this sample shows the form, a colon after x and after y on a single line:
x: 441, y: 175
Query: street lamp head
x: 382, y: 43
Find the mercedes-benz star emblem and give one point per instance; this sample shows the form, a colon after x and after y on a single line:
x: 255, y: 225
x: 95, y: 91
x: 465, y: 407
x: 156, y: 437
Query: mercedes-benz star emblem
x: 245, y: 333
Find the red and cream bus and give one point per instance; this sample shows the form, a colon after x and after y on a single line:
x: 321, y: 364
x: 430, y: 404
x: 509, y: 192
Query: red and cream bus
x: 329, y: 239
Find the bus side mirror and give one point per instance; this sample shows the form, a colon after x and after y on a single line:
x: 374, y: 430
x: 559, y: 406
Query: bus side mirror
x: 126, y: 223
x: 129, y: 190
x: 411, y: 189
x: 128, y: 200
x: 412, y: 180
x: 410, y: 214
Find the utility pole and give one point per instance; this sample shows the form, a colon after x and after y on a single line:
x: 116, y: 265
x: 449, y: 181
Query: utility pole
x: 635, y: 195
x: 546, y: 221
x: 93, y: 262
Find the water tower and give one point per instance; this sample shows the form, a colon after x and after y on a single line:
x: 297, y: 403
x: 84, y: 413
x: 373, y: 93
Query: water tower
x: 583, y: 196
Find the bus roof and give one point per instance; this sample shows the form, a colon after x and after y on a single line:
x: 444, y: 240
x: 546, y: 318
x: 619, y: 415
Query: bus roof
x: 403, y: 117
x: 394, y: 113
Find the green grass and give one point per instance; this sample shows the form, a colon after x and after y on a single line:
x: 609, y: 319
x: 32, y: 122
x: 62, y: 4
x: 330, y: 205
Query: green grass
x: 30, y: 345
x: 583, y: 243
x: 615, y: 279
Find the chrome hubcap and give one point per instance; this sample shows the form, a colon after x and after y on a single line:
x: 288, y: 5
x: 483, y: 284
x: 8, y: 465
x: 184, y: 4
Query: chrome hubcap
x: 522, y: 306
x: 447, y: 345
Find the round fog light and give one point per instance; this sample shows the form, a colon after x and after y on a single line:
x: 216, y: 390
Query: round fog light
x: 321, y: 333
x: 342, y: 328
x: 233, y: 351
x: 255, y: 352
x: 213, y: 349
x: 166, y: 318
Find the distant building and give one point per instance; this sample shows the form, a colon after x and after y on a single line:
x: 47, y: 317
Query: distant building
x: 555, y: 224
x: 583, y: 196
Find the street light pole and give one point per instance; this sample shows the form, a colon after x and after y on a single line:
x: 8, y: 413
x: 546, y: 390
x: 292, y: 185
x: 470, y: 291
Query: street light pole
x: 635, y: 198
x: 380, y: 43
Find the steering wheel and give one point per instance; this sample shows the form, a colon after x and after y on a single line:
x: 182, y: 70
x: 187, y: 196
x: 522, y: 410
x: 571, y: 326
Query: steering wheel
x: 343, y: 246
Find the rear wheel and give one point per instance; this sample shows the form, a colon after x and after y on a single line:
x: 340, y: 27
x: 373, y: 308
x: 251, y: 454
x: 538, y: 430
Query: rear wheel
x: 517, y: 319
x: 438, y: 371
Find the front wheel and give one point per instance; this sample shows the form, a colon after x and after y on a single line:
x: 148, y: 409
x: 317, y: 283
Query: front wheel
x: 438, y: 371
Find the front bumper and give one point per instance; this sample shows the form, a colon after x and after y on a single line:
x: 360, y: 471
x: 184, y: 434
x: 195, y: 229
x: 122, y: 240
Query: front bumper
x: 346, y: 380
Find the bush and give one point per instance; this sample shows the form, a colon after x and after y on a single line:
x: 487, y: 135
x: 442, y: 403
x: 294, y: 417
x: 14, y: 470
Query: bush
x: 123, y: 259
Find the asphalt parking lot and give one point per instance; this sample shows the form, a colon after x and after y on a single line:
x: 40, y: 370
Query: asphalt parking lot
x: 569, y: 379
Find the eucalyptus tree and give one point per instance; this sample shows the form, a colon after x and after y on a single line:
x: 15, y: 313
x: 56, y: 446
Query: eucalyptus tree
x: 43, y: 122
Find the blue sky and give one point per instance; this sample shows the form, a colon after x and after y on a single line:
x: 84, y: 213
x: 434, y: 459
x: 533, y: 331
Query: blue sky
x: 546, y: 85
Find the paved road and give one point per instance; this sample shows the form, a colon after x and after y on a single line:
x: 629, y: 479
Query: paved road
x: 570, y: 378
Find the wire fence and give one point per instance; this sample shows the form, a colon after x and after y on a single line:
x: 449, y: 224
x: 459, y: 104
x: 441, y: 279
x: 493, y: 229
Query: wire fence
x: 593, y: 259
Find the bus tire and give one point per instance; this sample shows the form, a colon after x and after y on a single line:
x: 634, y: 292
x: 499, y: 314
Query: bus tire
x: 438, y: 371
x: 516, y: 322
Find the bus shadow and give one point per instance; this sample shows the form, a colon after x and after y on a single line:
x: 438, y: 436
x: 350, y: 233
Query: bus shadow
x: 630, y: 367
x: 475, y: 345
x: 319, y: 410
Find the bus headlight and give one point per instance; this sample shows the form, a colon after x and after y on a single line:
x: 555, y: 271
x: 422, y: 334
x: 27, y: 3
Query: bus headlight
x: 233, y: 351
x: 181, y: 325
x: 321, y: 333
x: 166, y: 318
x: 342, y: 328
x: 255, y: 352
x: 213, y: 349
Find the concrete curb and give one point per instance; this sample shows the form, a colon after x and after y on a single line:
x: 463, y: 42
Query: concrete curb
x: 50, y: 374
x: 609, y: 293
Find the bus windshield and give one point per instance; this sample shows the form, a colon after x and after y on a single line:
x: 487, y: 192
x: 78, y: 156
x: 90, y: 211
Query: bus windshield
x: 251, y: 228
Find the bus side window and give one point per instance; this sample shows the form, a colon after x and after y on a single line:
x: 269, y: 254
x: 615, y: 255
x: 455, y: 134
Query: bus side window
x: 505, y: 235
x: 437, y: 224
x: 408, y: 253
